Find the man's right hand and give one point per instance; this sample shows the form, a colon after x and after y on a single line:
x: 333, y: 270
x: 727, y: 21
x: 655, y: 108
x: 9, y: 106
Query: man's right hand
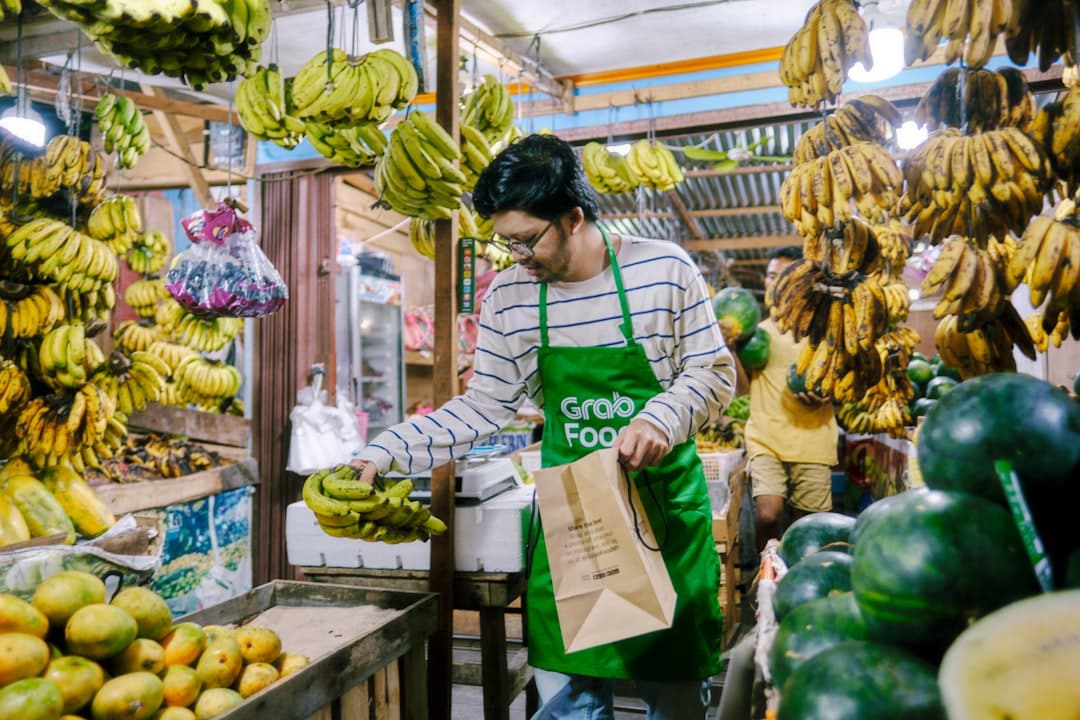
x: 368, y: 471
x: 812, y: 399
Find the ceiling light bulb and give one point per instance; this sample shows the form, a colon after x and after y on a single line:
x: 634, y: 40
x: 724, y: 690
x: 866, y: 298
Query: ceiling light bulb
x: 887, y: 50
x: 25, y: 125
x: 619, y: 149
x: 910, y: 135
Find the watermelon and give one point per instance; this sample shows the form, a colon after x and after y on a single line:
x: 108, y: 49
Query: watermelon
x: 943, y: 370
x: 738, y: 312
x: 938, y: 386
x: 922, y: 406
x: 816, y: 576
x: 862, y: 681
x: 812, y: 628
x: 755, y: 353
x: 811, y: 533
x: 876, y: 510
x: 1076, y: 384
x: 933, y: 562
x: 1019, y: 418
x: 919, y: 371
x: 796, y: 383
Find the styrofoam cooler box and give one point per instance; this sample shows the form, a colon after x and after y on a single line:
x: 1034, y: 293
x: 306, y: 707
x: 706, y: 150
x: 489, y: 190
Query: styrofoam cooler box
x: 488, y: 537
x: 718, y: 467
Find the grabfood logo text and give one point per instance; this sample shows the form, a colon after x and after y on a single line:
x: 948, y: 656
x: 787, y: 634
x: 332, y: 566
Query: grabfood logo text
x: 576, y: 412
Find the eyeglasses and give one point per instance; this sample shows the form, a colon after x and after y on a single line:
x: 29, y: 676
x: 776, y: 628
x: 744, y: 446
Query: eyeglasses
x: 524, y: 248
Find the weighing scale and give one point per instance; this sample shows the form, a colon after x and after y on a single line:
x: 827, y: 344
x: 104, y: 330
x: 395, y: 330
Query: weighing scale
x: 480, y: 475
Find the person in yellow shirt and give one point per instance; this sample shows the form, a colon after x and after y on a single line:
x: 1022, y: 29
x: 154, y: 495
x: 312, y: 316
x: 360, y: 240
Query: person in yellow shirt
x: 791, y: 437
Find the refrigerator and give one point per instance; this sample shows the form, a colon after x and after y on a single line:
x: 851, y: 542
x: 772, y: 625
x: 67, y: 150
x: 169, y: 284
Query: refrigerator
x: 370, y: 345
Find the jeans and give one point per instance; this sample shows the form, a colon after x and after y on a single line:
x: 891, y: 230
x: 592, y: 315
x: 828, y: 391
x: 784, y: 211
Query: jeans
x: 579, y: 697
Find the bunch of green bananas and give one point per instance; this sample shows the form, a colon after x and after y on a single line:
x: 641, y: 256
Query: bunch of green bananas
x: 608, y: 172
x: 88, y: 307
x: 120, y: 122
x: 417, y: 176
x: 816, y: 60
x: 143, y: 296
x: 10, y: 8
x: 170, y: 353
x: 471, y: 224
x: 422, y: 237
x: 54, y: 430
x: 347, y: 507
x: 30, y: 311
x: 201, y: 41
x: 116, y: 221
x: 346, y: 143
x: 977, y: 100
x: 489, y: 109
x: 362, y: 89
x: 149, y: 252
x: 867, y: 118
x: 14, y: 388
x: 978, y: 185
x: 970, y: 26
x: 55, y: 252
x: 63, y: 356
x: 202, y: 334
x: 200, y: 380
x: 68, y: 162
x: 1056, y: 130
x: 134, y: 336
x: 170, y: 395
x: 476, y: 154
x: 654, y: 165
x: 132, y: 381
x: 264, y: 104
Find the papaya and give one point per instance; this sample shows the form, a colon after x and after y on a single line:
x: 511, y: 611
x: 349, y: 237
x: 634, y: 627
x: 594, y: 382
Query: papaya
x: 214, y: 702
x: 15, y: 466
x: 216, y: 632
x: 31, y: 699
x: 78, y: 679
x: 88, y: 513
x: 43, y: 513
x: 99, y: 631
x: 17, y: 615
x: 60, y: 595
x: 254, y: 677
x: 258, y: 644
x: 21, y: 656
x: 141, y: 654
x: 184, y: 644
x: 290, y: 662
x: 174, y: 713
x: 13, y: 528
x: 182, y: 685
x: 220, y: 663
x: 150, y: 611
x: 135, y: 696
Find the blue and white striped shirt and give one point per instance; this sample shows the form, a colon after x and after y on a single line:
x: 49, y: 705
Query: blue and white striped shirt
x: 673, y: 320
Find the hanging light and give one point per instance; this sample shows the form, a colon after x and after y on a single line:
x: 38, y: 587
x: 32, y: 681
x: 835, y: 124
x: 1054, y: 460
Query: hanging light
x: 886, y: 46
x: 21, y: 120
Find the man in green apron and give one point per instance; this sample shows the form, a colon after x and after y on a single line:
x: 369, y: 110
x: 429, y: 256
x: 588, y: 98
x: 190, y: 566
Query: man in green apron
x: 615, y: 338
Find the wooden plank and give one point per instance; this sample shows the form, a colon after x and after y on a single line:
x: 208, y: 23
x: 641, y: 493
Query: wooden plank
x: 323, y: 713
x: 685, y: 215
x: 393, y: 691
x: 379, y: 704
x: 688, y: 216
x: 174, y: 134
x: 43, y: 541
x: 192, y: 424
x: 493, y: 664
x: 131, y: 497
x: 355, y: 704
x: 413, y: 668
x: 749, y: 242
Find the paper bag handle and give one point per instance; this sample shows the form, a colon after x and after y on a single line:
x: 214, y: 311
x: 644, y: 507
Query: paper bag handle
x: 633, y: 511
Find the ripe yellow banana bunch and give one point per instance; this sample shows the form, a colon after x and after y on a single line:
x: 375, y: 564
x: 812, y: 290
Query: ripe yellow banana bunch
x: 63, y: 357
x: 1046, y: 327
x: 977, y: 100
x: 890, y: 417
x: 1048, y: 259
x: 897, y: 301
x: 967, y: 278
x: 117, y: 222
x: 149, y: 253
x: 852, y: 247
x: 202, y: 334
x: 51, y: 429
x: 70, y: 163
x: 131, y: 336
x: 170, y: 353
x: 1057, y: 133
x: 417, y: 176
x: 422, y: 237
x: 60, y: 254
x: 132, y: 381
x: 983, y: 347
x: 33, y: 310
x: 120, y: 122
x: 476, y: 154
x: 200, y: 41
x: 654, y: 165
x: 970, y: 26
x: 470, y: 224
x: 89, y: 307
x: 489, y: 109
x: 170, y: 395
x: 143, y: 296
x: 867, y: 118
x: 263, y: 103
x: 347, y: 507
x: 14, y: 388
x: 608, y: 172
x: 200, y: 380
x: 363, y: 89
x: 894, y: 240
x: 6, y: 88
x: 977, y: 185
x: 346, y: 143
x: 816, y: 60
x: 828, y: 191
x: 1043, y: 27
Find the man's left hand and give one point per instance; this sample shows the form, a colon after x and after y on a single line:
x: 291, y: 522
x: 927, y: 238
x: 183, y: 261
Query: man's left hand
x: 641, y: 444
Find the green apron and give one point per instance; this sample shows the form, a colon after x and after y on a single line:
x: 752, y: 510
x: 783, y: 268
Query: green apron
x: 622, y: 376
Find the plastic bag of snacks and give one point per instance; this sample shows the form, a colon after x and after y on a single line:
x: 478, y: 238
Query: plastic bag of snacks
x: 224, y: 273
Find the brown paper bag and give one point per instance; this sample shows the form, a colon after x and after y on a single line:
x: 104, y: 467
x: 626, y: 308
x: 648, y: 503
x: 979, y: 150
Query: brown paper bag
x: 608, y: 585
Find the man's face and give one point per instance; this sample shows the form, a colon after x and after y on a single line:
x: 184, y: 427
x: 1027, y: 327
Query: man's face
x: 548, y: 259
x: 776, y: 268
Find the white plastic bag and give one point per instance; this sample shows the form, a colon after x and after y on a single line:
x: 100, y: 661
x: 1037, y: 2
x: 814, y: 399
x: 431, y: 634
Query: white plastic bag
x: 322, y: 435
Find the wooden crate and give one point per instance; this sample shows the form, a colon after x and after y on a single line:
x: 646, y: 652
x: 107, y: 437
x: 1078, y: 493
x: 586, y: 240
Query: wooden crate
x: 202, y: 427
x: 131, y: 497
x: 366, y: 647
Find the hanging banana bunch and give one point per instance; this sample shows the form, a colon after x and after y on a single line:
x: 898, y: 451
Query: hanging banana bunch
x: 143, y: 296
x: 867, y: 118
x: 970, y: 26
x: 365, y: 89
x: 816, y: 60
x: 120, y: 122
x: 654, y: 165
x: 608, y: 172
x: 417, y: 176
x: 476, y: 154
x: 185, y: 328
x: 489, y: 109
x: 977, y: 100
x: 116, y: 221
x: 264, y: 106
x: 1046, y: 28
x: 132, y: 381
x: 1056, y: 130
x: 148, y: 253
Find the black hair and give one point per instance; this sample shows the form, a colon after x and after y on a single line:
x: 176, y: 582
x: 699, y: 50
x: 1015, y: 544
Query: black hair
x: 539, y: 175
x: 791, y: 252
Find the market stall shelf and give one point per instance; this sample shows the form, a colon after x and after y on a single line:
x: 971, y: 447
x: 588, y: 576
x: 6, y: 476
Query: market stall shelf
x: 366, y: 647
x: 192, y: 424
x: 124, y: 498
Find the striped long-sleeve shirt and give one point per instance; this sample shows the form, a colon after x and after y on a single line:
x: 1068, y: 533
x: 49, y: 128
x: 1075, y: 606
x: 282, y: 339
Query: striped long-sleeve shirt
x: 673, y: 320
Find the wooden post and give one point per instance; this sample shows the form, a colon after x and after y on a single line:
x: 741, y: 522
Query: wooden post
x: 445, y: 373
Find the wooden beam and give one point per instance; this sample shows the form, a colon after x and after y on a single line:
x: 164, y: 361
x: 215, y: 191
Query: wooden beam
x: 686, y: 217
x: 174, y: 135
x: 691, y: 214
x: 741, y: 170
x: 750, y: 242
